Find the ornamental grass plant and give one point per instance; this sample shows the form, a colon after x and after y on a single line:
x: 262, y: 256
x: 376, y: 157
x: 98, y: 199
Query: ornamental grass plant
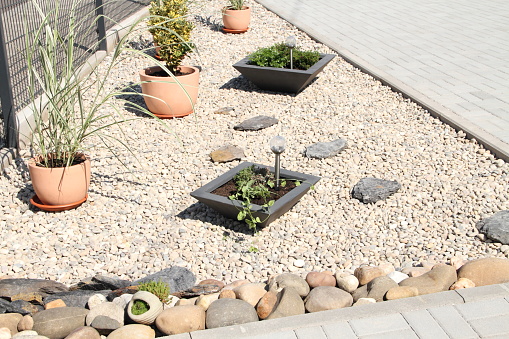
x: 68, y: 106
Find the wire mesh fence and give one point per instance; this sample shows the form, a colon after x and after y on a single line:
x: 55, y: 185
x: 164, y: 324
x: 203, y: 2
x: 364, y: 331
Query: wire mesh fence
x: 19, y: 17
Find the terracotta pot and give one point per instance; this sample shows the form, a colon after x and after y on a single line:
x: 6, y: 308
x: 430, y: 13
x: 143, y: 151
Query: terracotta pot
x: 167, y: 97
x: 62, y: 185
x: 155, y: 308
x: 237, y: 20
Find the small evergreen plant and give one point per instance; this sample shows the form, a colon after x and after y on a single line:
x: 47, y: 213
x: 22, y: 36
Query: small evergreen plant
x: 278, y: 56
x: 171, y: 31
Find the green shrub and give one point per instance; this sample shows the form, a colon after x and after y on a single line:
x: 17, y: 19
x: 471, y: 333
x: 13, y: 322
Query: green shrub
x: 171, y: 31
x: 139, y: 307
x: 278, y: 56
x: 159, y: 289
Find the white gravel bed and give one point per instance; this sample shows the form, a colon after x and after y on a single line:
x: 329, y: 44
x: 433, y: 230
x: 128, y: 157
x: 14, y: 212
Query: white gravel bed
x: 140, y: 222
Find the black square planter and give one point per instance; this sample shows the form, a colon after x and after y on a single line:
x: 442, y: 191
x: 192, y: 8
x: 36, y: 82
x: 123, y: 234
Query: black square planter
x: 281, y: 79
x: 230, y: 208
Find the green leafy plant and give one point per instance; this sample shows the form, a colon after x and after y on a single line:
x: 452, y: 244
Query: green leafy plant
x: 158, y: 288
x: 278, y: 56
x: 171, y: 31
x: 139, y: 307
x: 68, y: 106
x: 251, y: 183
x: 253, y: 249
x: 236, y: 4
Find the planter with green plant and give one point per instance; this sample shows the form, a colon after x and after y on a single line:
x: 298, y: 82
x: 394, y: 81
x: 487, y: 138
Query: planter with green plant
x: 247, y: 192
x: 170, y: 90
x: 147, y: 303
x: 68, y: 106
x: 281, y: 68
x: 236, y: 17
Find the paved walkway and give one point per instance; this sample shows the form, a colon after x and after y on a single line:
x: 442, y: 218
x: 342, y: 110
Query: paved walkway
x: 450, y: 56
x: 479, y: 312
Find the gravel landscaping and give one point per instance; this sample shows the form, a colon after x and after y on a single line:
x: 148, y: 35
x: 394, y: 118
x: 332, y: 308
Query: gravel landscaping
x: 136, y: 223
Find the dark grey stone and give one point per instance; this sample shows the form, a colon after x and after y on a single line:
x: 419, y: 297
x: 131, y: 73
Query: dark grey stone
x: 12, y: 287
x: 178, y: 278
x: 256, y: 123
x: 227, y: 312
x: 496, y: 227
x: 322, y: 150
x: 77, y: 298
x: 99, y: 283
x: 4, y: 305
x: 370, y: 190
x: 23, y: 307
x: 105, y: 325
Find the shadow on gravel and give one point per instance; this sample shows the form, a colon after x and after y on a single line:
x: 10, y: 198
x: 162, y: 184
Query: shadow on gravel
x: 208, y: 21
x: 243, y: 84
x: 201, y: 212
x: 131, y: 100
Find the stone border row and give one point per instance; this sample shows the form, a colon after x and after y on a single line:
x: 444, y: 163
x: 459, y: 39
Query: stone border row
x: 276, y: 326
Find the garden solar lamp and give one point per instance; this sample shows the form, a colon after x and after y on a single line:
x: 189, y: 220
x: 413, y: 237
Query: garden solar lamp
x: 277, y: 146
x: 291, y: 42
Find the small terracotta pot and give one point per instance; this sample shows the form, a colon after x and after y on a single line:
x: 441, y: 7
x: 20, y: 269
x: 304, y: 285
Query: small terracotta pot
x: 237, y: 20
x: 61, y: 185
x: 155, y: 308
x: 166, y: 96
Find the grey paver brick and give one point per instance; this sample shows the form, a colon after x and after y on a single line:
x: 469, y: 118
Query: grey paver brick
x: 315, y: 332
x: 452, y: 322
x: 483, y: 308
x: 380, y: 324
x: 274, y: 335
x: 491, y: 326
x: 424, y: 325
x: 402, y: 334
x: 339, y: 330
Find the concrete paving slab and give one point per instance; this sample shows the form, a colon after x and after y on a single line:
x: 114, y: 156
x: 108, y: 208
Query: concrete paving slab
x: 452, y: 322
x: 339, y: 330
x: 491, y: 326
x: 483, y: 309
x: 424, y: 325
x: 462, y: 45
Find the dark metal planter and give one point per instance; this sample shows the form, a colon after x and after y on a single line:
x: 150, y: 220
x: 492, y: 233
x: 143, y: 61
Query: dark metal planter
x: 281, y: 79
x: 230, y: 208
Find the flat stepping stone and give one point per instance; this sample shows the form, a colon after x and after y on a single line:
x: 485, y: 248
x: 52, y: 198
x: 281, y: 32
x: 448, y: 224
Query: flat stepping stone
x: 322, y: 150
x: 496, y: 227
x: 224, y: 110
x: 256, y: 123
x: 370, y: 190
x: 227, y: 153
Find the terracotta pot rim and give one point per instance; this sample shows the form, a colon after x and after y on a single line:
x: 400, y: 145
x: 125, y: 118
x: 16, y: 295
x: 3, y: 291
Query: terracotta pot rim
x: 143, y: 72
x: 32, y: 161
x: 243, y: 9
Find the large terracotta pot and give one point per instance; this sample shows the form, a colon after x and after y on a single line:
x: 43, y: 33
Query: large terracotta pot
x: 237, y: 20
x: 165, y: 96
x: 61, y: 185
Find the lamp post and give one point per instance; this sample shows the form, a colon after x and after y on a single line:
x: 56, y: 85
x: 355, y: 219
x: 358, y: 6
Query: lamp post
x: 277, y: 146
x: 291, y: 42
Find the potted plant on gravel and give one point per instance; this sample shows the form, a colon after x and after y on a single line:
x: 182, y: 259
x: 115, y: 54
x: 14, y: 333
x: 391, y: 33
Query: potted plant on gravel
x: 68, y: 107
x: 169, y: 89
x: 147, y: 303
x: 270, y: 68
x: 236, y: 17
x: 248, y: 192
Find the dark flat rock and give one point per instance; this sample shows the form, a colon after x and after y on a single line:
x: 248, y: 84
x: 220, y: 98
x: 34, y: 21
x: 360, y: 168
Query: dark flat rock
x: 13, y: 287
x: 76, y: 298
x: 496, y: 227
x: 322, y: 150
x: 198, y: 290
x: 256, y: 123
x: 178, y: 278
x: 370, y: 190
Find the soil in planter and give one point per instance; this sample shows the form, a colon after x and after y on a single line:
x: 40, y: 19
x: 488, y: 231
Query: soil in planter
x: 57, y: 162
x: 229, y: 189
x: 162, y: 73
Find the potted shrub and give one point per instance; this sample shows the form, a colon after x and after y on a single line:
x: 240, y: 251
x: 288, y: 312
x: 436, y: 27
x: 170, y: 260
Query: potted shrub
x: 236, y: 17
x: 169, y: 89
x: 247, y: 192
x: 67, y: 109
x: 269, y: 67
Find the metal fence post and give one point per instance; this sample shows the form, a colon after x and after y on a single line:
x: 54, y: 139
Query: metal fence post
x: 6, y: 92
x: 101, y: 26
